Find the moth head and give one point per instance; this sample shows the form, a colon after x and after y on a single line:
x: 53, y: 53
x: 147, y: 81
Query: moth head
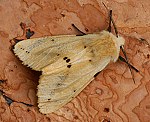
x: 119, y: 42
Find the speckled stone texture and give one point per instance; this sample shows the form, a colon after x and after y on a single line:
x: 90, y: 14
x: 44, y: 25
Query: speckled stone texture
x: 112, y: 96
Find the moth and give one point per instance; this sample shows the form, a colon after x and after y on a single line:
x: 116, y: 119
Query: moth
x: 68, y: 64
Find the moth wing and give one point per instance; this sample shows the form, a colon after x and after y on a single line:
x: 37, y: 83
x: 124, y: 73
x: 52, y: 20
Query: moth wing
x: 40, y: 52
x: 58, y: 88
x: 68, y: 64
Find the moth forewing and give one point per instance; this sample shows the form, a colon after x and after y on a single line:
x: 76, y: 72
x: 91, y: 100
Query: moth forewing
x: 68, y: 64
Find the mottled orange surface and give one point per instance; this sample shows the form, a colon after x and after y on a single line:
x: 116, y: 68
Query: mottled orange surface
x: 112, y: 96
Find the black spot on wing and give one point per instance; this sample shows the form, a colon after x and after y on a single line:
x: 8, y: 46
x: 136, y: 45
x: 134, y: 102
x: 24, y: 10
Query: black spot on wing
x: 65, y: 58
x: 69, y: 65
x: 27, y: 52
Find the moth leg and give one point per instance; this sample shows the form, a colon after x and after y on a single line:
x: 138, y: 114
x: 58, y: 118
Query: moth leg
x: 9, y: 100
x: 82, y: 33
x: 29, y: 33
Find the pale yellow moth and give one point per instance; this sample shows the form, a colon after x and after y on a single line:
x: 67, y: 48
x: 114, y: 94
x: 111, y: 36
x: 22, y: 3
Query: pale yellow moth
x: 68, y: 64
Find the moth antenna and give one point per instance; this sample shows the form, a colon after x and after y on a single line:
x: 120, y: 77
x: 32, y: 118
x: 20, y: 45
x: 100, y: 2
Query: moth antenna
x: 110, y: 19
x: 127, y: 62
x: 115, y: 28
x: 122, y: 59
x: 121, y: 47
x: 130, y: 66
x: 82, y: 33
